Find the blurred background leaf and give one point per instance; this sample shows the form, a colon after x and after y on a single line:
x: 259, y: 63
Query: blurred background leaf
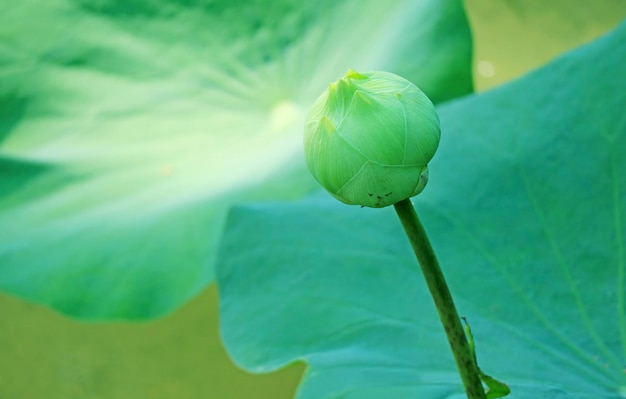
x: 128, y: 128
x: 46, y: 355
x: 525, y: 210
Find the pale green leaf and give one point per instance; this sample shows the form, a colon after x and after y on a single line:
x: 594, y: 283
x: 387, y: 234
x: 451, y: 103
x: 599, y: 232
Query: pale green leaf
x: 127, y: 128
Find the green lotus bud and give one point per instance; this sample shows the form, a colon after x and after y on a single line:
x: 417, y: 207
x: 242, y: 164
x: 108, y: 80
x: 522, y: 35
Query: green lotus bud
x: 369, y: 137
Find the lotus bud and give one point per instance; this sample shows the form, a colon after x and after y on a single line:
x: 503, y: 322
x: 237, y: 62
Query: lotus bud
x: 369, y: 137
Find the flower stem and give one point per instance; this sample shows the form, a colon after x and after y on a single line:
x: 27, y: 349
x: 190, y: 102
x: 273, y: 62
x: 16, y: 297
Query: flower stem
x: 442, y: 298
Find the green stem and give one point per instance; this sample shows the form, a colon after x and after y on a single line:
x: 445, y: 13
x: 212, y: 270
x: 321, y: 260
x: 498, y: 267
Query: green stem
x: 443, y: 300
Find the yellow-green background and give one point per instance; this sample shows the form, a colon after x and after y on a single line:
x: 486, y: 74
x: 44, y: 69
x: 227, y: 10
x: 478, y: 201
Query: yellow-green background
x: 46, y: 355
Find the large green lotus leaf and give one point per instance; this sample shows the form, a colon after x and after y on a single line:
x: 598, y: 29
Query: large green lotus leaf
x: 127, y: 128
x: 526, y: 208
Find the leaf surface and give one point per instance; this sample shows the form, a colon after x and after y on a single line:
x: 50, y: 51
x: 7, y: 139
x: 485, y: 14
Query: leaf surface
x: 128, y: 128
x: 525, y: 208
